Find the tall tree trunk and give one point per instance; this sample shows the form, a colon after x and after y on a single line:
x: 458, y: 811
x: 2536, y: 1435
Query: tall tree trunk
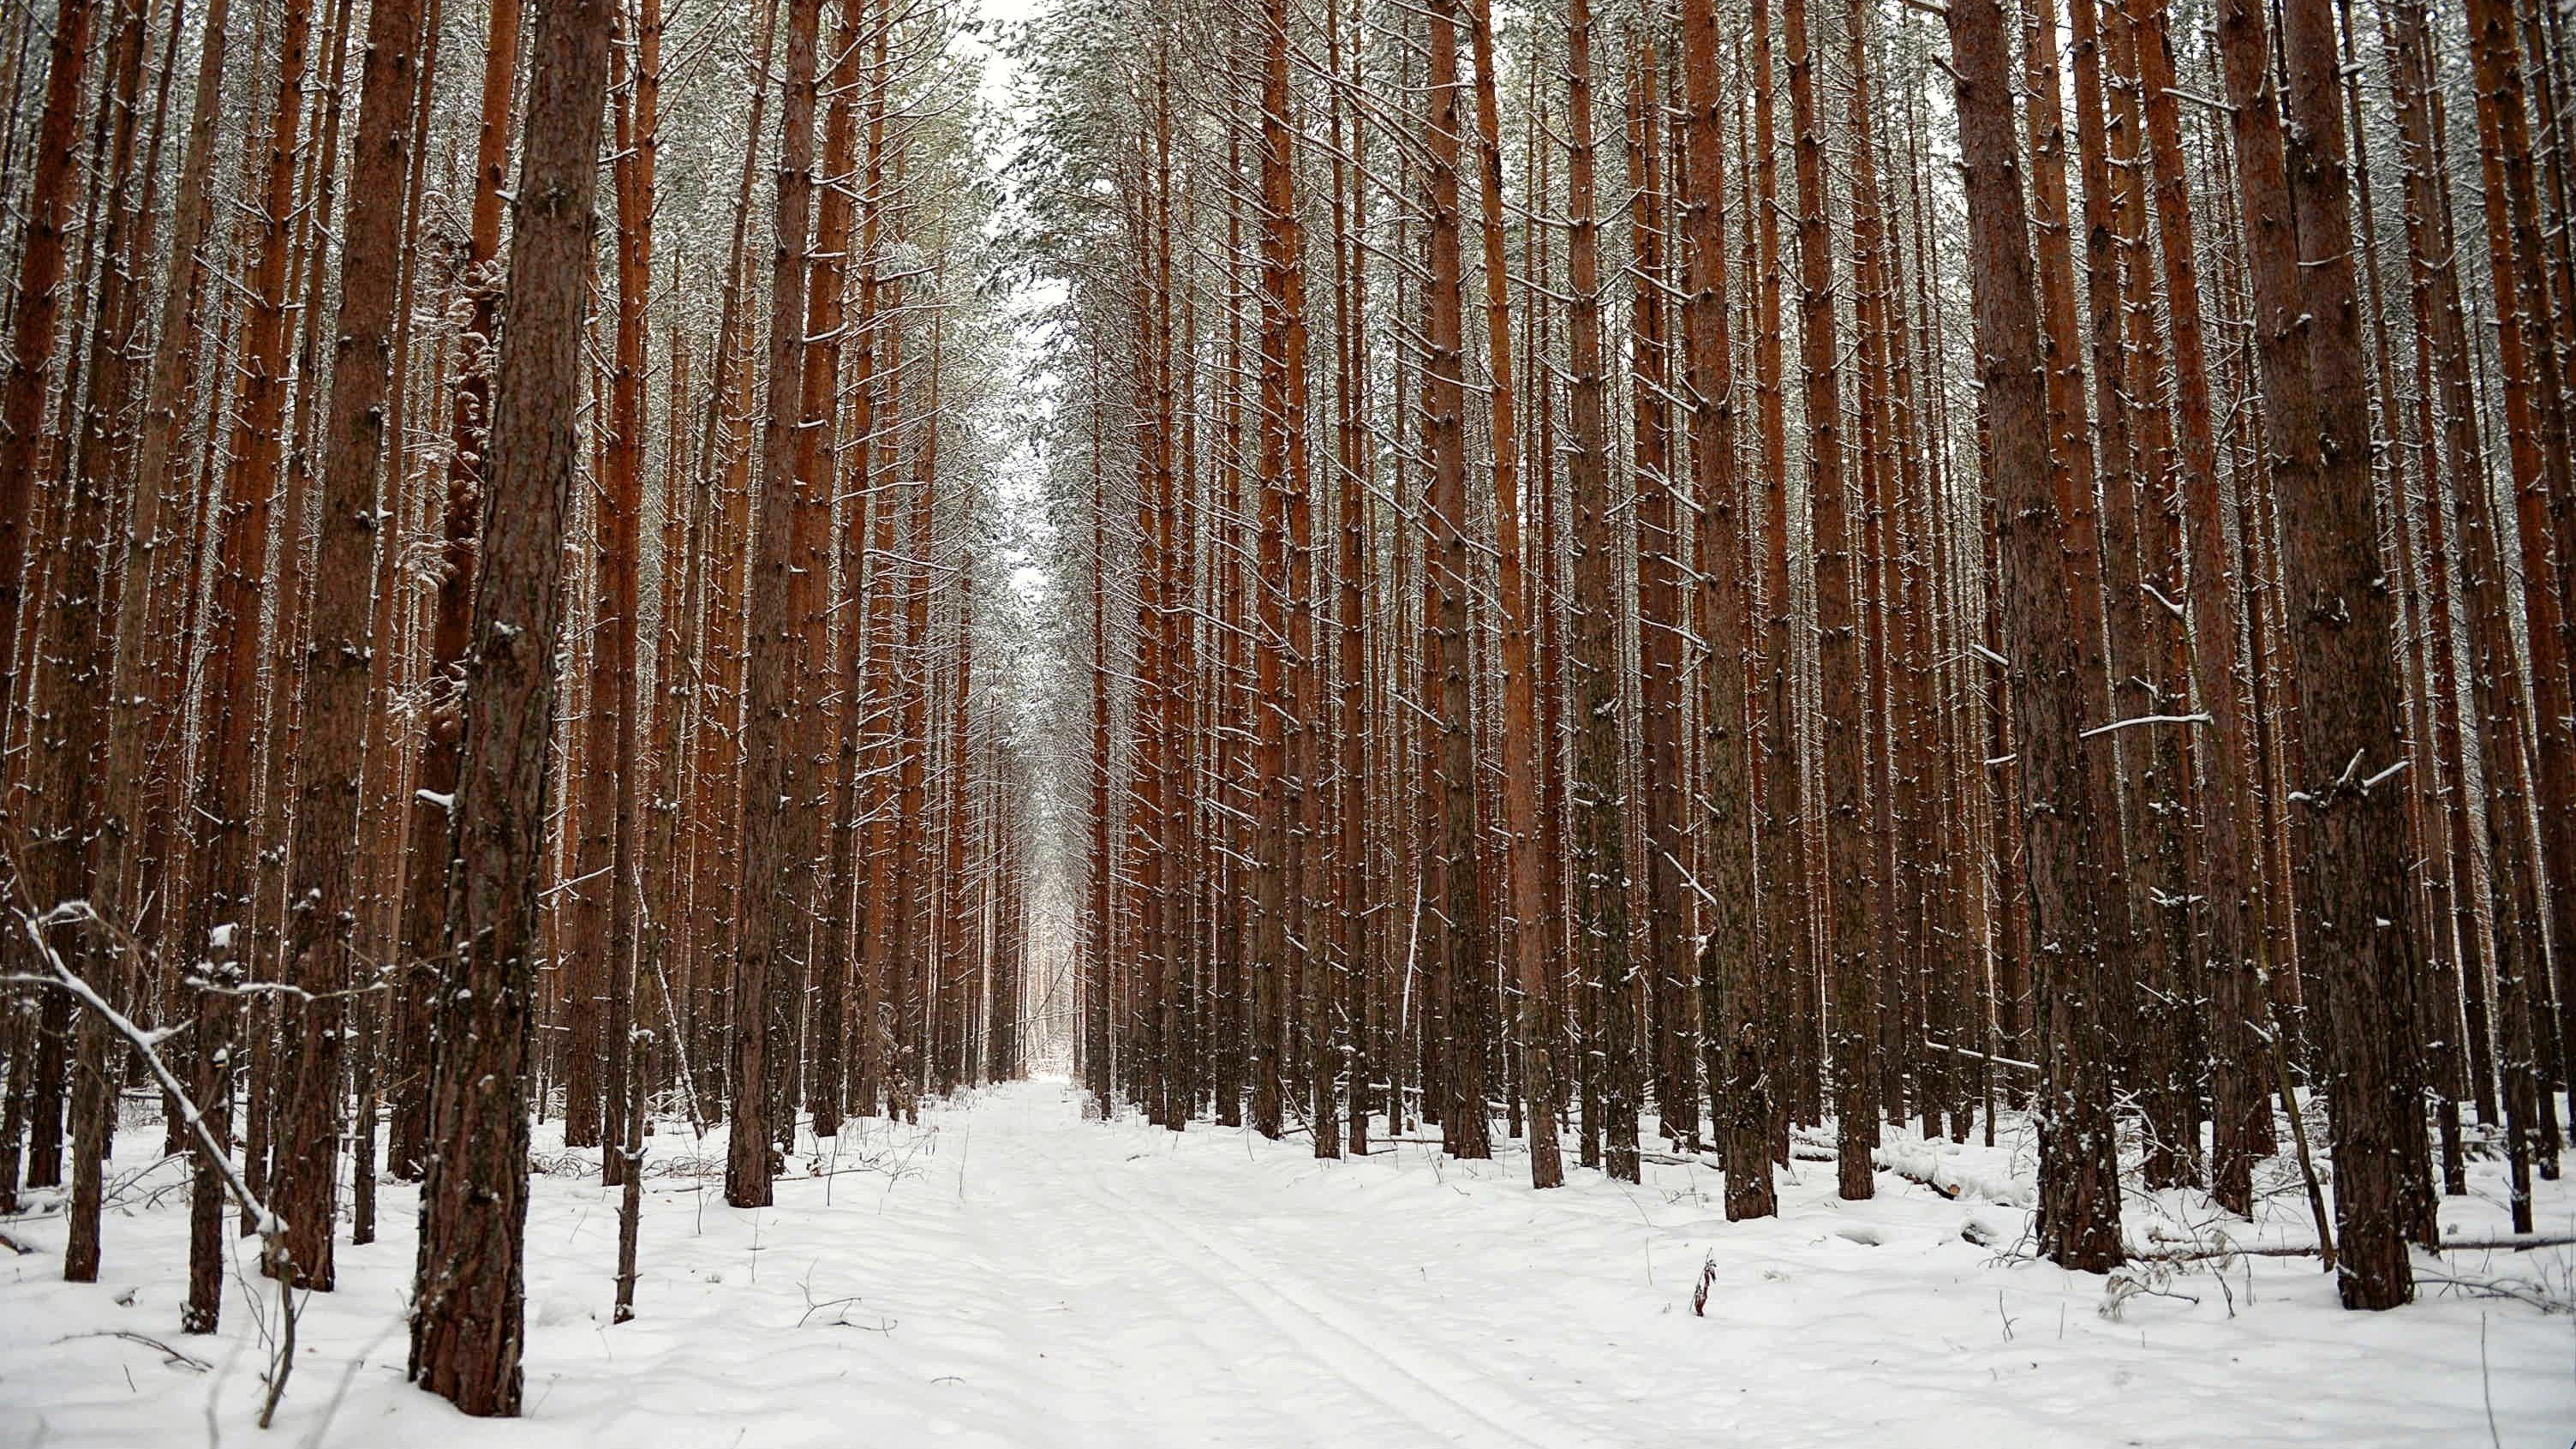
x: 1854, y: 968
x: 430, y: 853
x: 35, y: 318
x: 1783, y: 932
x: 469, y: 1300
x: 1601, y: 934
x: 2228, y: 827
x: 327, y: 898
x: 819, y: 464
x: 1732, y: 1002
x: 763, y: 967
x: 1466, y: 937
x: 1521, y: 760
x: 2079, y: 1224
x: 2360, y: 912
x: 621, y: 520
x: 1283, y: 471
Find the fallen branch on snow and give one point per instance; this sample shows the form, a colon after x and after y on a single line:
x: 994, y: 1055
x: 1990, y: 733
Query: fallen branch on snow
x: 2502, y: 1288
x: 169, y: 1355
x: 2512, y: 1243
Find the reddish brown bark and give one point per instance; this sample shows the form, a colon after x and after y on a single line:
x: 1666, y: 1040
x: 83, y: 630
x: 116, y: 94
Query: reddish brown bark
x: 326, y: 893
x: 468, y: 1301
x: 429, y: 853
x: 2080, y: 1195
x: 764, y: 967
x: 36, y: 319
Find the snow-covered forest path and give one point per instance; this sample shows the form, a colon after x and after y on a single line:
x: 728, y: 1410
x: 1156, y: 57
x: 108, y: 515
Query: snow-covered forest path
x: 1006, y: 1274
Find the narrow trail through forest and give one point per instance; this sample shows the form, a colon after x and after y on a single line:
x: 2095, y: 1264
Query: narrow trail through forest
x: 1876, y: 693
x: 1009, y: 1273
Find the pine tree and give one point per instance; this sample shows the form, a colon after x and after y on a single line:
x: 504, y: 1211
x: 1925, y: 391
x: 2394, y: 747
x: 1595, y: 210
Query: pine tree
x: 467, y: 1322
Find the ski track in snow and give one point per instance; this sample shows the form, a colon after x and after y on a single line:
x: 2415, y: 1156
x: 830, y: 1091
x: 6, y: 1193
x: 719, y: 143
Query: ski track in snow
x: 1436, y: 1397
x: 1007, y: 1274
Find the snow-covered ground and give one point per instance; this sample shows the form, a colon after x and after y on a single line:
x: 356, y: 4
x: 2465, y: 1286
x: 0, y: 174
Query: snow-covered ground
x: 1007, y: 1274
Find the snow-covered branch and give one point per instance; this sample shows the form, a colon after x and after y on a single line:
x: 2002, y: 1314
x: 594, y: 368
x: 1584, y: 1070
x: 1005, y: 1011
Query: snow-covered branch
x: 2144, y: 719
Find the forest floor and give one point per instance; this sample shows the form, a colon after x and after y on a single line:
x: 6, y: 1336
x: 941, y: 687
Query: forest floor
x: 1009, y: 1274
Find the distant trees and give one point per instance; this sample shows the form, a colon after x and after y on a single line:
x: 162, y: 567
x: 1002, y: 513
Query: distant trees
x: 2061, y: 727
